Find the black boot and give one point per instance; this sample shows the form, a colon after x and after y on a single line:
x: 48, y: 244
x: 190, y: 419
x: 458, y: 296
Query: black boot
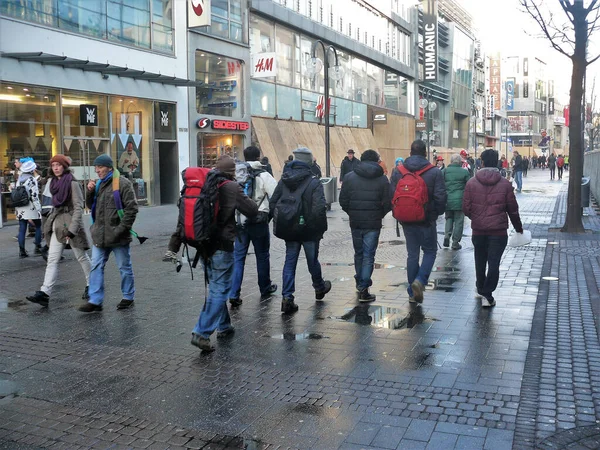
x: 365, y: 296
x: 23, y: 253
x: 38, y: 251
x: 40, y: 297
x: 288, y: 306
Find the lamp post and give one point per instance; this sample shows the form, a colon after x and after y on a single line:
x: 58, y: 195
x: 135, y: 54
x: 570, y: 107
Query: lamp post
x: 429, y: 106
x: 313, y: 67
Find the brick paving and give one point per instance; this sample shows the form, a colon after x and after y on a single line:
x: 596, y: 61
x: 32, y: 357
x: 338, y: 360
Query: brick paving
x: 448, y: 374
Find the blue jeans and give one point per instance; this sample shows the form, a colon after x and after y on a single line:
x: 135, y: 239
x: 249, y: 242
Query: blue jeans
x: 292, y: 252
x: 419, y: 237
x: 214, y: 314
x: 259, y: 235
x: 23, y: 231
x: 123, y: 259
x: 519, y: 180
x: 365, y: 244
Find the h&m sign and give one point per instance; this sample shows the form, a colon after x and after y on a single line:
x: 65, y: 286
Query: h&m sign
x: 430, y: 48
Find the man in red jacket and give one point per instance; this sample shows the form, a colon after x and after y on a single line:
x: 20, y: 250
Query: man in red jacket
x: 487, y: 201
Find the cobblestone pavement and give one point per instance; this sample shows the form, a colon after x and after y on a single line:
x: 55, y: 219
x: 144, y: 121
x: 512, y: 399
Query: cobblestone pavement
x: 448, y: 374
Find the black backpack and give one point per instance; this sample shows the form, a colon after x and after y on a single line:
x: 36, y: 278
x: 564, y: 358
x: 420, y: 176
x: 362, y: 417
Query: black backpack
x: 19, y: 196
x: 288, y: 215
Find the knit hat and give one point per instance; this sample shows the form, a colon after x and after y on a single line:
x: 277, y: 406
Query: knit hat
x: 104, y: 160
x: 464, y: 153
x: 226, y: 164
x: 28, y: 166
x: 25, y: 159
x: 399, y: 160
x: 303, y: 154
x: 63, y: 160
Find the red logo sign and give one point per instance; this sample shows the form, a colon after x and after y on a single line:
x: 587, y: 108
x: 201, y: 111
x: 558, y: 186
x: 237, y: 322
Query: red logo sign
x: 320, y: 109
x: 198, y: 7
x: 223, y: 124
x: 264, y: 65
x: 203, y: 123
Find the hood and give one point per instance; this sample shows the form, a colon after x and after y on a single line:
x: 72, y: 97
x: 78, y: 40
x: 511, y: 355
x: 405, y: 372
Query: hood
x: 488, y: 176
x: 256, y: 165
x: 415, y: 162
x: 295, y: 173
x: 369, y: 169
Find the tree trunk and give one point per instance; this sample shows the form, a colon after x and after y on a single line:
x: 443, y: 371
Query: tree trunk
x: 573, y: 223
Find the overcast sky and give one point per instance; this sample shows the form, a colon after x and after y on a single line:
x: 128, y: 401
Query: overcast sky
x: 503, y: 27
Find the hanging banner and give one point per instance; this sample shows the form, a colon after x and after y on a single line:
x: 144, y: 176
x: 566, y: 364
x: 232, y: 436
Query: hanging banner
x: 551, y: 106
x: 430, y: 48
x: 525, y: 67
x: 566, y: 115
x: 490, y: 107
x: 496, y: 80
x: 198, y: 13
x: 510, y: 94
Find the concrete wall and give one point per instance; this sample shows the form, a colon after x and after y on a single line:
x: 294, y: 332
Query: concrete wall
x: 591, y: 168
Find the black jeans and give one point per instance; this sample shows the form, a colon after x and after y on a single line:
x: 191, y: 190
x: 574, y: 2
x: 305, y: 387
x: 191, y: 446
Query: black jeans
x: 488, y: 251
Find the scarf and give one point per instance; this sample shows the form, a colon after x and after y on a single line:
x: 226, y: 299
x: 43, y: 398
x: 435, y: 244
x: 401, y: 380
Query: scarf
x: 115, y: 174
x: 60, y: 188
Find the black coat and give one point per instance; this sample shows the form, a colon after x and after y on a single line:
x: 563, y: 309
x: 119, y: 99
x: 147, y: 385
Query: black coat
x: 314, y: 208
x: 365, y: 196
x: 436, y: 187
x: 518, y: 167
x: 348, y: 166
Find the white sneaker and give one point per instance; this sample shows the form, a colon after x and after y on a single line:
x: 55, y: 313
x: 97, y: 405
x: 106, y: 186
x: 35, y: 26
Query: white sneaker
x: 170, y: 257
x: 477, y: 294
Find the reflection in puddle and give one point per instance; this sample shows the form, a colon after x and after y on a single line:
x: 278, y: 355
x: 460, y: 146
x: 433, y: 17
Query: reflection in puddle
x: 384, y: 317
x: 443, y: 284
x: 383, y: 266
x: 446, y: 269
x: 337, y: 264
x: 15, y: 305
x: 297, y: 337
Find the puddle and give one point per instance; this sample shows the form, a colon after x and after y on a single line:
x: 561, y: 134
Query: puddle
x: 337, y: 264
x: 297, y: 337
x: 446, y: 269
x: 552, y: 243
x: 443, y: 284
x: 15, y: 305
x: 384, y: 317
x: 550, y: 278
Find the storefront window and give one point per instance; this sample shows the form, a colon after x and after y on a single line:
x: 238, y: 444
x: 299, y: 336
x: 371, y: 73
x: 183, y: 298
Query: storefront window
x: 289, y: 103
x: 262, y: 98
x: 162, y: 25
x: 288, y: 57
x: 221, y: 92
x: 213, y: 145
x: 311, y: 83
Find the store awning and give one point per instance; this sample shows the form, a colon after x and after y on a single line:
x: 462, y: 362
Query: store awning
x: 106, y: 69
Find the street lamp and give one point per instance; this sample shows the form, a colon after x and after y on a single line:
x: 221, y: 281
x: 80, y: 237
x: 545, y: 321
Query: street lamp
x: 313, y: 67
x: 429, y: 106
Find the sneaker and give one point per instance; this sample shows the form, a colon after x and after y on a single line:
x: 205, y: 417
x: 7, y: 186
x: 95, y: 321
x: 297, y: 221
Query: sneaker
x: 365, y: 297
x: 490, y: 302
x: 235, y: 302
x: 478, y: 294
x: 86, y: 295
x: 411, y: 300
x: 170, y: 257
x: 446, y: 242
x: 269, y: 292
x: 417, y: 288
x: 23, y: 253
x: 90, y: 307
x: 202, y: 343
x: 40, y: 297
x: 227, y: 332
x: 456, y: 246
x: 319, y: 295
x: 288, y: 306
x: 125, y: 304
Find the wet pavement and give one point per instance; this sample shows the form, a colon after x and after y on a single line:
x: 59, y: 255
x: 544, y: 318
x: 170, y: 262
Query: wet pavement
x: 338, y: 374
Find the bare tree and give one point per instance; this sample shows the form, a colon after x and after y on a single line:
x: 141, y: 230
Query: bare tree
x: 571, y: 39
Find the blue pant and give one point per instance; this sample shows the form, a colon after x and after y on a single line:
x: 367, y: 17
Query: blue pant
x: 420, y: 237
x: 519, y: 180
x: 123, y: 259
x: 23, y: 231
x: 292, y: 252
x: 214, y: 314
x: 365, y: 244
x: 259, y: 235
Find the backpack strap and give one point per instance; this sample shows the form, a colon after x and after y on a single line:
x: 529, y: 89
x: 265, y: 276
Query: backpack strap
x: 424, y: 169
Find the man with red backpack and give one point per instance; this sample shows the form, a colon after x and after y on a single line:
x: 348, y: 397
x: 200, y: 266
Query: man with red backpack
x: 418, y: 198
x: 560, y: 163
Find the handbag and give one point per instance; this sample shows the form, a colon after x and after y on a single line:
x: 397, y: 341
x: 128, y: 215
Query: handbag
x: 518, y: 239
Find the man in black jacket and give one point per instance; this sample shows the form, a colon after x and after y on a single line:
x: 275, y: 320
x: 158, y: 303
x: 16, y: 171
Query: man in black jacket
x: 422, y: 235
x: 365, y: 198
x: 298, y: 181
x: 349, y: 164
x: 518, y: 170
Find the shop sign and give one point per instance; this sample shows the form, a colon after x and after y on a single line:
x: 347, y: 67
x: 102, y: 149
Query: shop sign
x: 430, y: 47
x: 264, y: 65
x: 88, y: 115
x: 559, y: 120
x: 490, y: 106
x: 421, y: 124
x: 525, y: 67
x: 551, y: 106
x: 198, y: 13
x: 496, y: 80
x: 525, y: 87
x: 510, y: 94
x: 165, y: 121
x: 230, y: 125
x: 380, y: 118
x: 566, y: 115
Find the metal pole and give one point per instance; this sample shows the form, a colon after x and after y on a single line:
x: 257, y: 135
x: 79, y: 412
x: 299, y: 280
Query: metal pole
x: 530, y: 134
x: 327, y: 150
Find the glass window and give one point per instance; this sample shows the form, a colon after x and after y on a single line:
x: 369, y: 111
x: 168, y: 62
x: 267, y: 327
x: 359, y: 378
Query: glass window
x: 235, y: 10
x: 128, y: 21
x: 359, y: 79
x: 262, y: 97
x: 261, y: 35
x: 221, y: 92
x: 83, y: 16
x: 211, y: 146
x: 289, y: 103
x: 311, y: 83
x: 220, y: 8
x: 288, y: 57
x: 227, y: 18
x: 41, y: 11
x: 162, y: 25
x: 343, y: 112
x: 219, y: 27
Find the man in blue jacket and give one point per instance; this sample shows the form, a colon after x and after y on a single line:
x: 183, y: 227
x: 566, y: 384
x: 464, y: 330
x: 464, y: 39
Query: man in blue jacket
x: 422, y: 235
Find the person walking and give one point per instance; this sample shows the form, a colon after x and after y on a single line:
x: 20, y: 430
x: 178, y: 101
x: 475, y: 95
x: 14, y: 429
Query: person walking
x: 299, y: 216
x: 349, y: 163
x: 315, y: 168
x: 219, y: 264
x: 265, y: 162
x: 518, y: 170
x: 397, y: 163
x: 488, y: 200
x: 255, y: 230
x: 365, y: 198
x: 30, y: 214
x: 63, y: 226
x: 552, y: 166
x: 455, y: 178
x: 114, y: 209
x: 422, y: 235
x: 567, y: 163
x: 560, y: 163
x: 525, y: 166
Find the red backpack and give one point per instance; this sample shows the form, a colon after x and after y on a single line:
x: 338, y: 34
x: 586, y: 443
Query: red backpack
x: 411, y: 197
x: 560, y: 161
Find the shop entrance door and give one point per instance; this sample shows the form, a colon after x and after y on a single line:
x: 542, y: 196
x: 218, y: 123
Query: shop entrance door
x: 168, y: 161
x: 83, y: 151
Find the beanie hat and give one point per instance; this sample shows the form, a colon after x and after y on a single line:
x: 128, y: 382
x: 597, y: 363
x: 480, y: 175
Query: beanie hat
x: 303, y: 154
x: 28, y: 166
x: 399, y: 160
x: 104, y: 160
x: 25, y: 159
x: 226, y: 164
x: 63, y: 160
x: 464, y: 153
